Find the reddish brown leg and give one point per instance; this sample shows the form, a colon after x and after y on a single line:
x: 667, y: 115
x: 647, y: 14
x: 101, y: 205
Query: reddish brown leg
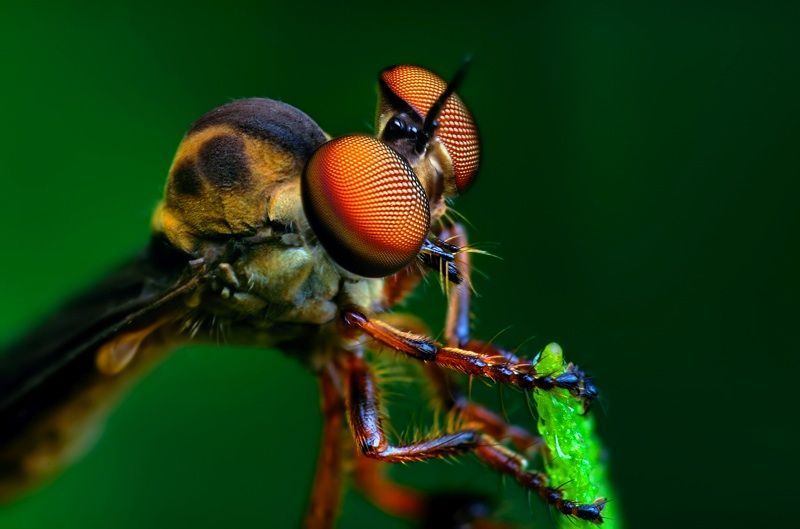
x: 482, y: 359
x: 451, y: 397
x: 325, y: 495
x: 512, y: 464
x: 457, y: 334
x: 487, y: 364
x: 438, y: 510
x: 363, y: 406
x: 457, y: 324
x: 474, y: 415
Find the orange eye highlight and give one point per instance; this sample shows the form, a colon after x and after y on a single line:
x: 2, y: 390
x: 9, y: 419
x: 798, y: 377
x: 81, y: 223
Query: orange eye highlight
x: 366, y: 205
x: 420, y: 88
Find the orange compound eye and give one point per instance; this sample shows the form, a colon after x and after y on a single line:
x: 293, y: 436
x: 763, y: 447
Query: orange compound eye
x: 419, y: 88
x: 365, y: 205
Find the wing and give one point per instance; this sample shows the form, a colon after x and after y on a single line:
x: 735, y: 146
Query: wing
x: 46, y: 364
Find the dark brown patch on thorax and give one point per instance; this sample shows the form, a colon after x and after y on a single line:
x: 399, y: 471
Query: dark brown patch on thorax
x: 231, y: 168
x: 185, y: 179
x: 223, y: 162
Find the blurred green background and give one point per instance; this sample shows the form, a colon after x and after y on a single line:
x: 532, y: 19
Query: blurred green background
x: 640, y: 182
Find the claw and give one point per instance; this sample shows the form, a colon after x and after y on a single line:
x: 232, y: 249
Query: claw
x: 591, y: 511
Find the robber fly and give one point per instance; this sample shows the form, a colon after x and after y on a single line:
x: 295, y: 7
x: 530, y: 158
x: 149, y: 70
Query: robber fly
x: 289, y: 239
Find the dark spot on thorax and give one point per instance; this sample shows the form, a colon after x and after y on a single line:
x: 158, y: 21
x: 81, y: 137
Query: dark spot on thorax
x: 185, y: 180
x: 223, y: 162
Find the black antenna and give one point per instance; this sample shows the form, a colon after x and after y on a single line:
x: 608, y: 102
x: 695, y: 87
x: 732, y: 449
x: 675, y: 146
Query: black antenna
x: 430, y: 123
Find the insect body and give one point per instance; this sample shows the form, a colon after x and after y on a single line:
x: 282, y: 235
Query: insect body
x: 272, y: 234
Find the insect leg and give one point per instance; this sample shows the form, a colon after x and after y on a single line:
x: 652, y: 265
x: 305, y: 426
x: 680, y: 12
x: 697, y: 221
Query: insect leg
x: 457, y: 334
x: 451, y: 397
x: 442, y: 510
x: 508, y: 462
x: 324, y: 502
x: 487, y: 364
x: 389, y: 496
x: 363, y: 405
x: 457, y: 324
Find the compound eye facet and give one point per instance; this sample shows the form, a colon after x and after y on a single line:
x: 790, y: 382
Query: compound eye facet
x: 419, y: 88
x: 365, y: 205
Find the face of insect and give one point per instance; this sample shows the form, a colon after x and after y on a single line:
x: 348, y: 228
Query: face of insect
x: 260, y: 174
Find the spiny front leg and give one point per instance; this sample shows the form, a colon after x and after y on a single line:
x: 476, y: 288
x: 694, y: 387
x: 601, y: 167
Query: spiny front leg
x: 364, y: 411
x: 363, y: 404
x: 457, y: 334
x: 504, y: 460
x: 487, y: 363
x: 451, y: 398
x: 462, y: 354
x: 512, y: 464
x: 457, y: 326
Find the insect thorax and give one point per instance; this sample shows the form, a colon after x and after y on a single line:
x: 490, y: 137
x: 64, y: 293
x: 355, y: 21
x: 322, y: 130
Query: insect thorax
x: 233, y: 199
x: 236, y: 171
